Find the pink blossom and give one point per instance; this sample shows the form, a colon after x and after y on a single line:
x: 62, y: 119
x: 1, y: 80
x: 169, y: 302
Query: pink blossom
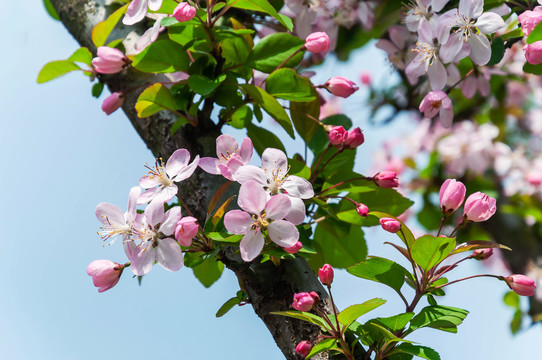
x: 390, y: 225
x: 478, y: 81
x: 137, y: 10
x: 303, y: 301
x: 362, y: 209
x: 337, y: 135
x: 113, y: 102
x: 160, y: 180
x: 482, y: 254
x: 386, y: 179
x: 354, y: 138
x: 295, y: 248
x: 317, y: 42
x: 303, y: 348
x: 340, y: 86
x: 116, y: 223
x: 529, y: 19
x: 105, y: 274
x: 150, y: 35
x: 230, y: 157
x: 479, y: 207
x: 521, y: 284
x: 109, y: 60
x: 260, y: 214
x: 325, y: 274
x: 533, y: 53
x: 438, y: 101
x: 420, y: 11
x: 451, y: 195
x: 187, y: 228
x: 184, y: 12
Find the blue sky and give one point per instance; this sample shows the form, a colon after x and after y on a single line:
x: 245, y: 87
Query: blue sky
x: 61, y: 156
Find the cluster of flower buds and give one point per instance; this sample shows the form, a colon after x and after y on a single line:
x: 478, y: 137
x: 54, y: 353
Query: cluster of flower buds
x: 478, y: 207
x: 342, y: 139
x: 304, y: 301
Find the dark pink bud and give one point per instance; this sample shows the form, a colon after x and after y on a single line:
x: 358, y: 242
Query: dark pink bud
x: 303, y: 348
x: 105, y: 274
x: 109, y: 60
x: 294, y: 249
x: 479, y: 207
x: 354, y: 138
x: 390, y: 225
x: 325, y: 274
x: 113, y: 102
x: 533, y: 53
x: 386, y: 179
x: 521, y: 284
x: 362, y: 209
x: 529, y: 19
x: 315, y: 297
x: 451, y: 195
x: 184, y: 12
x: 340, y: 86
x: 317, y: 42
x: 303, y: 301
x: 482, y: 254
x: 186, y: 230
x: 337, y: 135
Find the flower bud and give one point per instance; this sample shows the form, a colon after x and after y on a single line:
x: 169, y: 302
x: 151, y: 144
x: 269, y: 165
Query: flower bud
x: 184, y: 12
x: 479, y: 207
x: 354, y: 138
x: 337, y: 135
x: 113, y: 102
x: 315, y: 297
x: 109, y: 60
x: 317, y: 42
x: 386, y: 179
x: 303, y: 348
x: 482, y: 254
x: 325, y: 274
x: 186, y: 229
x: 105, y: 274
x: 390, y: 225
x: 533, y: 53
x: 521, y: 284
x: 303, y: 301
x: 340, y: 86
x: 451, y: 195
x: 294, y: 249
x: 529, y: 19
x: 362, y: 209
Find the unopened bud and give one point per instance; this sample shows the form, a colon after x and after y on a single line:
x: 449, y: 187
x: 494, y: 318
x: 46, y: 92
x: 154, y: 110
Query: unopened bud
x: 184, y: 12
x: 317, y: 42
x: 294, y: 249
x: 362, y: 209
x: 303, y: 348
x: 521, y: 284
x: 340, y: 86
x: 482, y: 254
x: 386, y: 179
x: 326, y: 274
x: 390, y: 225
x: 303, y: 301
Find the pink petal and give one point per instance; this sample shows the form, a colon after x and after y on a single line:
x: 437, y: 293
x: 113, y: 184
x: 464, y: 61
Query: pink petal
x: 225, y: 171
x: 274, y: 160
x: 251, y: 245
x: 480, y: 49
x: 143, y: 258
x: 246, y: 150
x: 136, y: 12
x: 165, y: 194
x: 297, y: 211
x: 186, y: 172
x: 132, y: 204
x: 250, y: 172
x: 283, y: 233
x: 154, y: 213
x: 298, y: 187
x: 277, y: 207
x: 437, y: 75
x: 176, y: 162
x: 209, y: 165
x: 147, y: 196
x: 226, y: 145
x: 147, y: 182
x: 169, y: 254
x: 237, y: 221
x: 252, y: 197
x: 234, y: 163
x: 171, y: 218
x: 110, y: 214
x: 489, y: 23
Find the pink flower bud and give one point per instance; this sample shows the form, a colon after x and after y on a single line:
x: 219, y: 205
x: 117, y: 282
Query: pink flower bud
x: 105, y: 274
x: 186, y: 229
x: 109, y: 60
x: 386, y: 179
x: 294, y: 249
x: 521, y: 284
x: 303, y: 301
x: 482, y: 254
x: 340, y: 86
x: 479, y: 207
x: 354, y: 138
x: 325, y: 274
x: 362, y: 209
x: 529, y: 19
x: 337, y: 135
x: 315, y: 297
x: 438, y: 102
x: 184, y: 12
x: 390, y: 225
x: 451, y: 195
x: 317, y: 42
x: 303, y: 348
x: 113, y: 102
x: 533, y: 53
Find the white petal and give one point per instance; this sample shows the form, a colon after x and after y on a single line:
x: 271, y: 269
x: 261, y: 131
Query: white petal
x: 416, y: 67
x: 132, y: 204
x: 169, y: 254
x: 437, y: 75
x: 489, y: 23
x: 277, y: 207
x: 136, y: 12
x: 297, y: 211
x: 251, y: 245
x: 170, y: 221
x: 110, y: 214
x: 226, y: 145
x: 176, y: 162
x: 274, y: 161
x: 437, y: 5
x: 147, y: 182
x: 480, y: 50
x: 209, y: 165
x: 250, y: 172
x: 283, y: 233
x: 155, y: 5
x: 147, y: 196
x: 187, y: 171
x: 154, y: 213
x: 298, y: 187
x: 452, y: 47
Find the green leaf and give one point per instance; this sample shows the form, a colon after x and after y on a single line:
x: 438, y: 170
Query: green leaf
x: 305, y: 316
x: 351, y: 313
x: 155, y: 98
x: 273, y: 50
x: 478, y: 244
x: 535, y: 35
x: 394, y: 323
x: 428, y: 250
x: 438, y: 317
x: 224, y: 237
x: 286, y: 84
x: 97, y: 89
x: 405, y: 234
x: 55, y: 69
x: 271, y: 106
x: 103, y: 29
x: 416, y: 350
x: 298, y: 168
x: 532, y: 69
x: 162, y: 56
x: 324, y: 345
x: 203, y: 85
x: 517, y: 33
x: 227, y: 306
x: 511, y: 299
x: 178, y: 124
x: 241, y: 117
x: 497, y: 51
x: 82, y: 55
x: 305, y: 117
x: 50, y: 9
x: 209, y: 271
x: 262, y: 139
x: 234, y: 50
x: 381, y: 270
x: 262, y: 6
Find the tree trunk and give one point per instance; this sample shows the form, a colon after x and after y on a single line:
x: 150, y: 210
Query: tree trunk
x: 269, y: 287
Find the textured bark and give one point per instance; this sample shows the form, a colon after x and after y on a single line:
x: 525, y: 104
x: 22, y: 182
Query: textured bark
x: 269, y: 287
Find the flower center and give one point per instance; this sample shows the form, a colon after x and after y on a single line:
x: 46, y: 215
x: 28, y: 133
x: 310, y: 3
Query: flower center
x: 260, y: 222
x: 466, y: 26
x: 158, y: 173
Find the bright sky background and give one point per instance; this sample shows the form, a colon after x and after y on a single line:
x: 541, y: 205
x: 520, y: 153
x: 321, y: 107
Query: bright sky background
x: 68, y: 156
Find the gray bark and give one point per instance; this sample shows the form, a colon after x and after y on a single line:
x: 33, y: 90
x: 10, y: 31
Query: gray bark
x: 269, y: 287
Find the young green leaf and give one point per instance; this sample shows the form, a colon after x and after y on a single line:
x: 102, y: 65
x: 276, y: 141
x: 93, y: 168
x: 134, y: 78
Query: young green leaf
x: 155, y: 98
x: 103, y: 29
x: 381, y: 270
x: 162, y: 56
x: 273, y: 50
x: 50, y: 9
x: 305, y: 316
x: 286, y: 84
x: 351, y: 313
x: 227, y: 306
x: 305, y: 117
x: 82, y: 55
x: 209, y: 271
x: 438, y: 317
x: 416, y: 350
x: 263, y: 138
x: 262, y: 6
x: 55, y: 69
x: 428, y: 250
x: 324, y: 345
x: 394, y: 323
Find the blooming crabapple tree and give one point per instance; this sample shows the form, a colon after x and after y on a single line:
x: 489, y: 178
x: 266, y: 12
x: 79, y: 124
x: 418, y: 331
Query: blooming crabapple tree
x: 185, y: 71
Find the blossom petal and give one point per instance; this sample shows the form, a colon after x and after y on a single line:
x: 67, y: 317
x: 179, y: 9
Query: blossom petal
x: 480, y: 50
x: 209, y: 165
x: 274, y: 160
x: 165, y: 194
x: 136, y: 12
x: 437, y: 75
x: 437, y: 5
x: 186, y: 172
x: 237, y: 221
x: 148, y: 181
x: 176, y: 162
x: 154, y: 213
x: 132, y: 204
x: 489, y: 23
x: 297, y: 211
x: 252, y: 197
x: 226, y: 145
x: 155, y: 5
x: 471, y: 8
x: 468, y: 88
x: 446, y: 117
x: 298, y: 187
x: 170, y: 221
x: 283, y: 233
x: 169, y: 254
x: 110, y: 214
x: 251, y: 245
x: 452, y: 47
x: 143, y: 258
x: 234, y: 163
x: 246, y: 150
x: 277, y: 207
x: 250, y: 172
